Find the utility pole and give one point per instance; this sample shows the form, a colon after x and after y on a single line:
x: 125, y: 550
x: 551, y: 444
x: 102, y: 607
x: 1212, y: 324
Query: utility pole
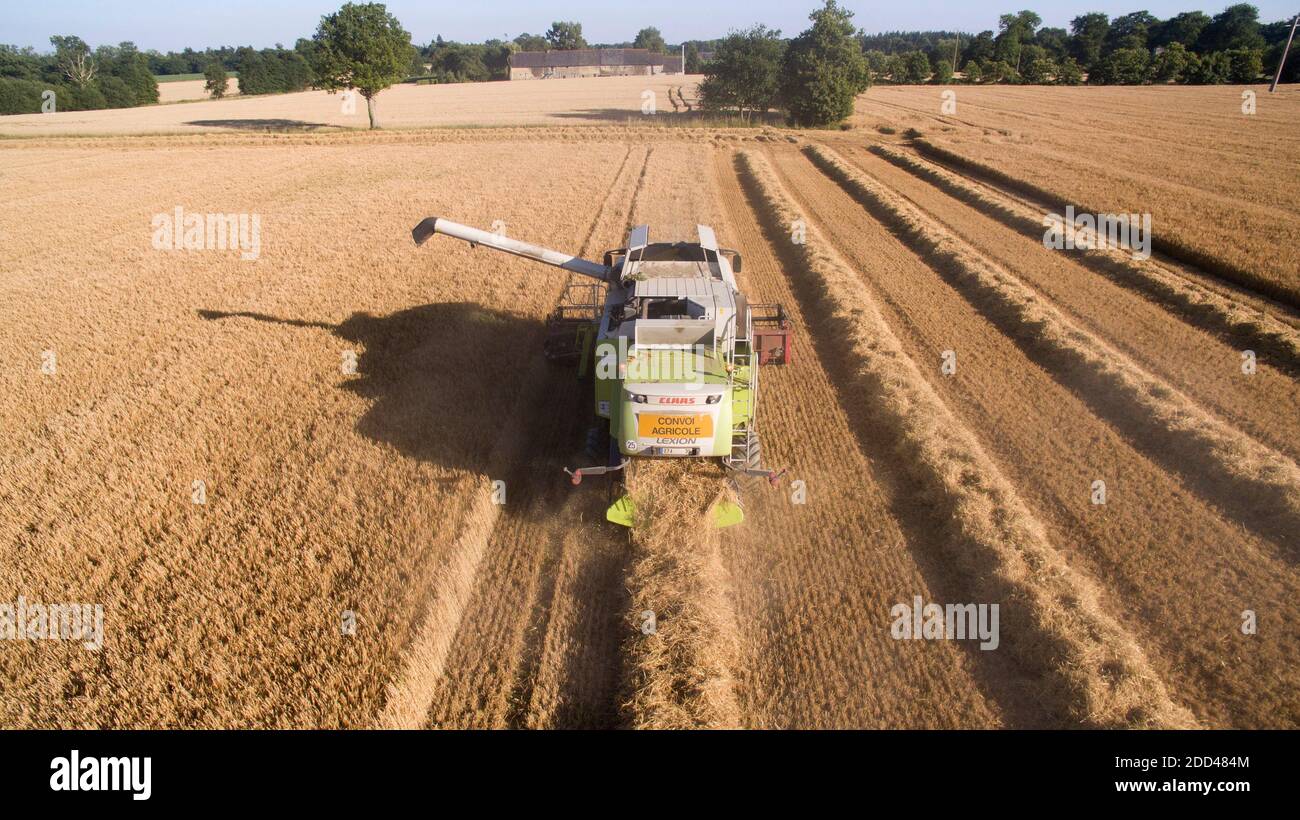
x: 1282, y: 61
x: 955, y: 46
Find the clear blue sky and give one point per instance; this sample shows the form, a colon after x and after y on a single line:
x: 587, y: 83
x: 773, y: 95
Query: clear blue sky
x: 172, y: 26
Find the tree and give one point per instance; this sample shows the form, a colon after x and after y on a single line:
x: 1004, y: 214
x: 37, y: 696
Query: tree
x: 650, y: 38
x: 944, y: 51
x: 694, y: 65
x: 1014, y: 31
x: 1245, y: 65
x: 457, y: 63
x: 973, y: 72
x: 1000, y: 71
x: 1068, y: 72
x: 1087, y: 34
x: 1234, y: 27
x: 916, y: 68
x: 1055, y: 41
x: 942, y: 72
x: 254, y: 75
x: 19, y: 96
x: 295, y: 72
x: 496, y: 56
x: 824, y: 70
x: 361, y: 47
x: 117, y: 94
x: 1124, y: 66
x: 1040, y: 70
x: 73, y: 58
x: 19, y: 63
x: 565, y: 36
x: 531, y: 42
x: 215, y: 79
x: 877, y: 62
x: 86, y: 97
x: 980, y: 49
x: 1209, y: 69
x: 131, y: 67
x: 1170, y: 65
x: 1182, y: 28
x: 1030, y: 52
x: 745, y: 72
x: 1130, y: 31
x: 894, y: 68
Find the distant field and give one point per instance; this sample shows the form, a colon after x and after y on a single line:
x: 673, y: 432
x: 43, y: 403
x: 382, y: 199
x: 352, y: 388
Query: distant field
x: 177, y: 78
x: 170, y: 92
x: 544, y: 102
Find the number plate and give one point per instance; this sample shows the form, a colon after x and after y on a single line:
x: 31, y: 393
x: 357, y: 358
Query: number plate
x: 674, y: 425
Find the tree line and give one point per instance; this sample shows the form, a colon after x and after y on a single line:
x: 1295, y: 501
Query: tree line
x: 79, y: 77
x: 814, y: 77
x: 121, y: 76
x: 89, y: 79
x: 1131, y: 49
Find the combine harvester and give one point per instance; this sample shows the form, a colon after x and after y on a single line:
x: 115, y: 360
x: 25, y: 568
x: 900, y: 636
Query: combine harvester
x: 673, y: 345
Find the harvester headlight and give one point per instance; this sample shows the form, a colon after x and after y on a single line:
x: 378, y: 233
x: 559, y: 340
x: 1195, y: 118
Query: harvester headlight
x: 713, y: 399
x: 638, y: 398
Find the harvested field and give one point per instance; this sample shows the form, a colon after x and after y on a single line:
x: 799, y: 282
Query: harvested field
x: 585, y: 101
x: 1216, y: 181
x: 187, y: 90
x: 351, y: 405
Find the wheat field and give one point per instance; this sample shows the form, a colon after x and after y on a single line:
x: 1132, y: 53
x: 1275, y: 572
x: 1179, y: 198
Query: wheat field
x: 585, y: 101
x: 281, y: 476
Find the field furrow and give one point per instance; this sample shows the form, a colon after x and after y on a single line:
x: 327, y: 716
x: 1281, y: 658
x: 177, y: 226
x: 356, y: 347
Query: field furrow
x: 1265, y: 404
x: 1173, y: 568
x: 815, y: 581
x: 1259, y: 484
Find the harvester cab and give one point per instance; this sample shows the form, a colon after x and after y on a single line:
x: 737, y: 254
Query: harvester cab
x: 671, y: 346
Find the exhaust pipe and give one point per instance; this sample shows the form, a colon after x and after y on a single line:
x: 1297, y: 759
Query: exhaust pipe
x: 431, y: 225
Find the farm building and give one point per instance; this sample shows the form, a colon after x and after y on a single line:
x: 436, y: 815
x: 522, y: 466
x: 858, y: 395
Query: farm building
x: 591, y: 62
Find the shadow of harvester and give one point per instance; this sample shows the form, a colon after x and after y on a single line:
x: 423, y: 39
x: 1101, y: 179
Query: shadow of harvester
x: 443, y: 380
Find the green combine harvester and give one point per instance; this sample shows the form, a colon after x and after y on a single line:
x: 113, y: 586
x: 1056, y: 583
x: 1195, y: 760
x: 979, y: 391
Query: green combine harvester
x: 672, y: 347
